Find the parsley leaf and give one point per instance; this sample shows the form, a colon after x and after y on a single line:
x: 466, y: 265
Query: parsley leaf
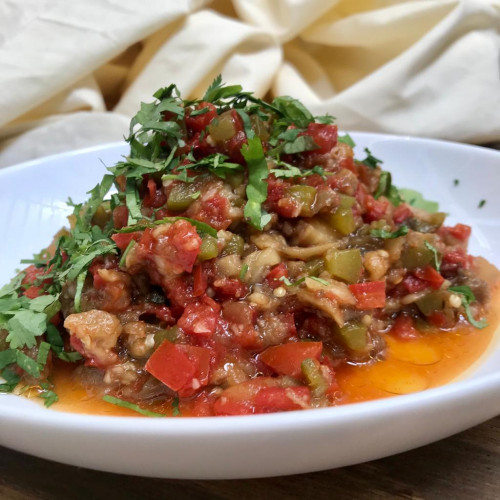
x: 293, y: 111
x: 433, y: 249
x: 48, y: 395
x: 257, y: 186
x: 467, y: 298
x: 24, y: 327
x: 370, y: 160
x: 11, y: 380
x: 415, y: 199
x: 346, y: 139
x: 385, y: 188
x: 382, y: 233
x: 202, y: 227
x: 130, y: 406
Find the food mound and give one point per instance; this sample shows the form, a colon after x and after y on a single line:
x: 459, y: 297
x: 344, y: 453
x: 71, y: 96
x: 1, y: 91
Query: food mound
x: 242, y: 257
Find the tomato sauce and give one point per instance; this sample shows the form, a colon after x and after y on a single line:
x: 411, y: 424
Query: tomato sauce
x: 431, y: 360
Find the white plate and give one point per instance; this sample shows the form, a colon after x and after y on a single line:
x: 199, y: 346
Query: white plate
x: 32, y: 209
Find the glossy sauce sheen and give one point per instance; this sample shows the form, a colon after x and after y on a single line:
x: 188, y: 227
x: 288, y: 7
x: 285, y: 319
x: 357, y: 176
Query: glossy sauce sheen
x: 409, y: 366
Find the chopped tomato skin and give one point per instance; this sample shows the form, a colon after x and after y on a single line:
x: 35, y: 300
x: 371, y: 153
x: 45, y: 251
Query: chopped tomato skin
x: 431, y: 276
x: 200, y: 281
x: 369, y: 295
x: 286, y: 359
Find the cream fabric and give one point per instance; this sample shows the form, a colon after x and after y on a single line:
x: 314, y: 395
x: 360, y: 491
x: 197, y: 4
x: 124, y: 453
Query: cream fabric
x: 72, y: 73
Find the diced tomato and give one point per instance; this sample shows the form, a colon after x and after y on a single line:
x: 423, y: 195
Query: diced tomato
x: 431, y: 276
x: 32, y: 274
x: 369, y: 295
x: 272, y: 399
x: 214, y: 211
x: 198, y: 319
x: 460, y: 232
x: 172, y: 251
x: 239, y: 399
x: 401, y: 213
x: 274, y: 275
x: 403, y: 328
x: 276, y: 189
x: 228, y: 288
x: 413, y: 284
x: 183, y: 368
x: 179, y: 292
x: 120, y: 216
x: 122, y: 240
x: 286, y: 359
x: 199, y: 122
x: 453, y: 260
x: 324, y: 135
x: 375, y: 209
x: 438, y: 319
x: 155, y: 197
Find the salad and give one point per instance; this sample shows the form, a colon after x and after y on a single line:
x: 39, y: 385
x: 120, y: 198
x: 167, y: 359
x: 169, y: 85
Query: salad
x: 234, y: 263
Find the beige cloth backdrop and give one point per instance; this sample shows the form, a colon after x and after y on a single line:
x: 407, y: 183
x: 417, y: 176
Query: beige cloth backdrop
x: 73, y: 72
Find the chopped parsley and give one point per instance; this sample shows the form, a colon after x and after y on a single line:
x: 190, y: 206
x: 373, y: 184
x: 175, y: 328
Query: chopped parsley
x: 382, y: 233
x: 257, y: 186
x: 437, y: 259
x: 130, y: 406
x: 415, y: 199
x: 482, y: 203
x: 243, y: 272
x: 468, y: 298
x: 370, y: 160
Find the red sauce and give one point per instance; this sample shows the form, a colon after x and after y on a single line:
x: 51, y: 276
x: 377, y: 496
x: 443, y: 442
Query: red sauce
x: 410, y: 366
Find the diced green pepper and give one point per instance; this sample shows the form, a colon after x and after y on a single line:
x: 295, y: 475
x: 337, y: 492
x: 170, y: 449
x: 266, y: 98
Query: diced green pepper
x: 344, y: 264
x: 315, y: 267
x: 305, y: 195
x: 235, y: 245
x: 431, y: 225
x: 235, y: 179
x: 346, y: 201
x: 180, y: 198
x: 432, y: 302
x: 169, y: 334
x: 315, y: 380
x: 342, y: 220
x: 413, y: 257
x: 222, y: 128
x: 209, y: 248
x: 354, y: 335
x: 260, y: 127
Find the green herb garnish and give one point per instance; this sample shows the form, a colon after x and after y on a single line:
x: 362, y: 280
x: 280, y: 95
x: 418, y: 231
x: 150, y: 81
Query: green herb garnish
x: 131, y: 406
x: 467, y: 298
x: 382, y: 233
